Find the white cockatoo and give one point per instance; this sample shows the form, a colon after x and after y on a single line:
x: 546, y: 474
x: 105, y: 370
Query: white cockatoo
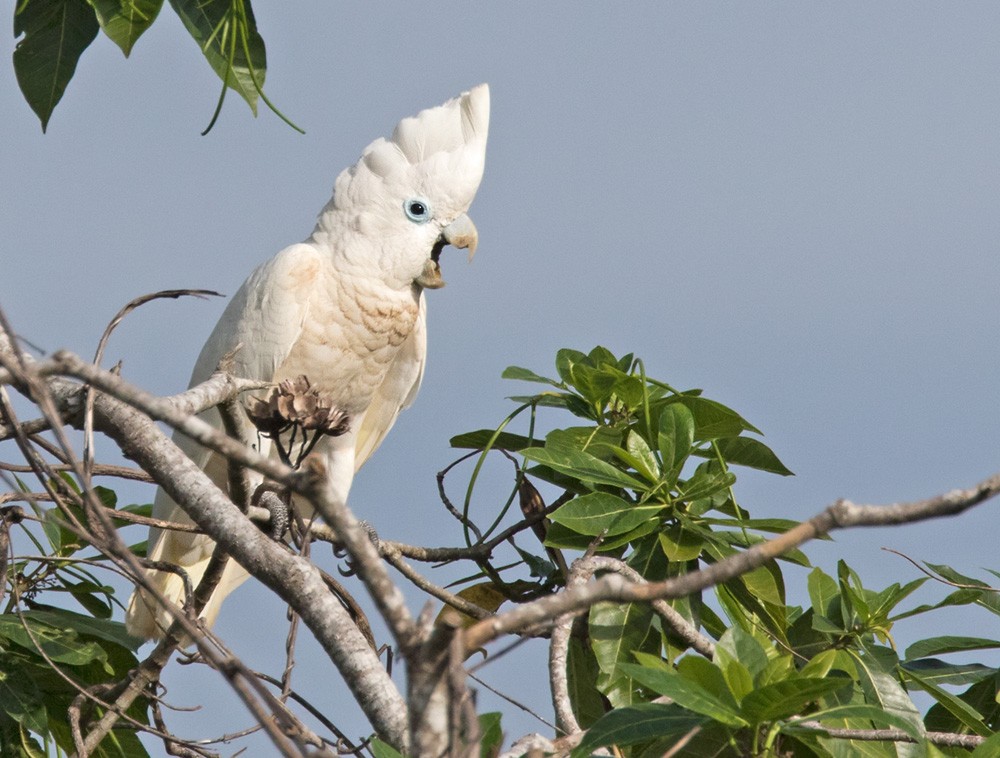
x: 345, y: 308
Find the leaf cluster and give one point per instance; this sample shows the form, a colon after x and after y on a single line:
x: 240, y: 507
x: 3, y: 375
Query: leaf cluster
x: 53, y: 34
x: 648, y: 473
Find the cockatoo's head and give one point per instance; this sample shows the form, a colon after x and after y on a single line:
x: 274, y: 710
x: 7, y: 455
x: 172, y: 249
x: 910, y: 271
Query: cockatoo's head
x: 406, y: 197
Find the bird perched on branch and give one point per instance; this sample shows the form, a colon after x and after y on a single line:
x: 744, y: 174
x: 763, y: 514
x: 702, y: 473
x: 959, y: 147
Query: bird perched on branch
x: 346, y: 309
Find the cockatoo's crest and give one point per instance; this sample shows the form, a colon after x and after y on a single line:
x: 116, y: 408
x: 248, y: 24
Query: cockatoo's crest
x: 438, y: 154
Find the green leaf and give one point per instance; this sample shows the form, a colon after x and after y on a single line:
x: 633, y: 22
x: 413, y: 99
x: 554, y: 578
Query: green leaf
x: 384, y: 750
x: 124, y: 21
x: 218, y: 27
x: 527, y: 375
x: 581, y: 465
x: 961, y: 710
x: 61, y: 645
x: 56, y: 32
x: 491, y: 734
x: 823, y: 591
x: 783, y: 699
x: 104, y: 629
x: 746, y: 451
x: 942, y: 645
x: 642, y: 458
x: 685, y: 693
x: 875, y: 673
x: 636, y: 724
x: 940, y: 672
x: 713, y: 420
x: 674, y: 438
x: 616, y: 633
x: 989, y: 748
x: 581, y: 679
x: 601, y: 512
x: 20, y: 697
x: 480, y: 440
x: 680, y: 542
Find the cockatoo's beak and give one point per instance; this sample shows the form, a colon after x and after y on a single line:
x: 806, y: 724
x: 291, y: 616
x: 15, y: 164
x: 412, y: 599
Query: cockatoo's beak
x: 460, y: 233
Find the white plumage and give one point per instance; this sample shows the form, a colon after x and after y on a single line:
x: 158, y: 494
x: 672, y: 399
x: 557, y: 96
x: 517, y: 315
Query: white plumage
x: 346, y: 308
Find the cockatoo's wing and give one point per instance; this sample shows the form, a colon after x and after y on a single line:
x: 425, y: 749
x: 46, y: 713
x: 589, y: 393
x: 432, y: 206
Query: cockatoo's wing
x: 264, y: 319
x: 396, y: 392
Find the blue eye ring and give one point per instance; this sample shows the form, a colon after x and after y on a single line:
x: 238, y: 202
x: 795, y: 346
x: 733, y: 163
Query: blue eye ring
x: 417, y: 209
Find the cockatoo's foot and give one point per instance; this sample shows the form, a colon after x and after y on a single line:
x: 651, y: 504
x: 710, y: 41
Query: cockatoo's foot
x: 370, y: 531
x: 280, y: 511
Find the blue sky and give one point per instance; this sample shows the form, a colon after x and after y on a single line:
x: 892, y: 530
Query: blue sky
x: 792, y: 206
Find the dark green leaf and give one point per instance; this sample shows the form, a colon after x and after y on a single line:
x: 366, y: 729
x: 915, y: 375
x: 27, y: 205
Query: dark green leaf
x: 940, y: 672
x: 581, y: 679
x: 526, y: 375
x: 601, y: 512
x: 491, y: 734
x: 56, y: 32
x: 674, y: 438
x: 746, y: 451
x: 124, y: 21
x: 480, y: 440
x: 224, y: 36
x: 581, y: 465
x: 685, y: 693
x: 783, y: 699
x: 942, y: 645
x: 384, y: 750
x: 713, y: 420
x: 961, y: 710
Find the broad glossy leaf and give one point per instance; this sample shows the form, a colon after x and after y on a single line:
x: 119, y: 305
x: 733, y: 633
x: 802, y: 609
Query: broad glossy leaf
x: 124, y: 21
x: 749, y: 452
x: 675, y: 436
x: 596, y: 440
x: 601, y: 512
x: 739, y: 645
x: 480, y: 439
x: 636, y: 724
x: 713, y: 420
x: 581, y: 678
x: 948, y: 644
x: 685, y: 693
x: 20, y: 697
x: 961, y: 710
x: 61, y: 645
x: 783, y: 699
x: 942, y: 673
x: 707, y: 482
x: 229, y: 42
x: 111, y: 631
x: 383, y: 750
x: 491, y: 734
x: 681, y: 543
x: 527, y: 375
x: 582, y: 465
x: 644, y: 460
x: 617, y: 632
x: 881, y: 687
x: 56, y: 32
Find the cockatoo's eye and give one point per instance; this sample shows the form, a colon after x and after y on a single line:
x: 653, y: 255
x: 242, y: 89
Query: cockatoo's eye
x: 418, y: 210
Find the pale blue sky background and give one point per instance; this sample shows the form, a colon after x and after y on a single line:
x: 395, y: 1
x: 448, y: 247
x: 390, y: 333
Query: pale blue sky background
x: 793, y: 206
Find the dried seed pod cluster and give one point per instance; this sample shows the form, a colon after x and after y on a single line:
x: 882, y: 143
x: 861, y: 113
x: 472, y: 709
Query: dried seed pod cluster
x: 294, y: 402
